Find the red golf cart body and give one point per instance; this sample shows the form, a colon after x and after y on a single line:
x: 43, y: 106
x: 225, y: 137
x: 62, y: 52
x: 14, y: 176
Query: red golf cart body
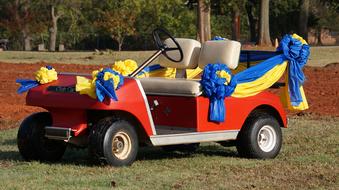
x: 159, y: 118
x: 151, y: 111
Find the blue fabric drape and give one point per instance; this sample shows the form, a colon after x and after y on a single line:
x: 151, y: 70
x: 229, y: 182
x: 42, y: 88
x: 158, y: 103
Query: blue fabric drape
x: 294, y: 50
x: 257, y: 71
x: 106, y: 87
x: 150, y: 69
x: 215, y: 89
x: 254, y: 55
x: 297, y: 54
x: 26, y: 84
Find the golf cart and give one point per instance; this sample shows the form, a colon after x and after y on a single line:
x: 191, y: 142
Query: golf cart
x: 171, y: 113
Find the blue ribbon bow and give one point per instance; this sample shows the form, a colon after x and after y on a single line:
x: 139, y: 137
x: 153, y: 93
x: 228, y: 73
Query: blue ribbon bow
x: 215, y: 89
x: 106, y: 87
x: 27, y: 84
x: 297, y: 54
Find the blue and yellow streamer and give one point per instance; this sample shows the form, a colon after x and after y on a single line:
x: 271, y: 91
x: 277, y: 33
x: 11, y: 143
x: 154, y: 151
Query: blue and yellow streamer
x: 216, y: 82
x: 125, y: 67
x: 42, y: 76
x: 103, y: 84
x: 292, y: 54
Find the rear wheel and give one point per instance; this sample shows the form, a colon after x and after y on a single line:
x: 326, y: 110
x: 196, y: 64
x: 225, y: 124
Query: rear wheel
x: 31, y: 140
x: 260, y: 137
x: 113, y: 141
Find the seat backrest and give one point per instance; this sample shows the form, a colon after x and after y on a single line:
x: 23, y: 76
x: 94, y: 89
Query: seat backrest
x: 190, y: 49
x: 220, y: 51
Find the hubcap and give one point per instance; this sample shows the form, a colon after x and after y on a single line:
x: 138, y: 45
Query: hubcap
x: 267, y: 138
x: 121, y: 145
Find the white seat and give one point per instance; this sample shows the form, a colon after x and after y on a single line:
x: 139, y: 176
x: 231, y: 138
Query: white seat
x: 171, y: 87
x: 176, y: 87
x: 226, y: 52
x: 221, y: 51
x: 190, y: 49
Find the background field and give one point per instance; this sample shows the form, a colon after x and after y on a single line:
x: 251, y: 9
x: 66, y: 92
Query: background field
x: 308, y: 160
x: 319, y: 56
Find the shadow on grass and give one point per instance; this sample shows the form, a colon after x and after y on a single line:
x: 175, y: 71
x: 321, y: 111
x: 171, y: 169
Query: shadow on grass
x: 74, y: 156
x: 9, y: 142
x: 10, y: 156
x: 151, y: 153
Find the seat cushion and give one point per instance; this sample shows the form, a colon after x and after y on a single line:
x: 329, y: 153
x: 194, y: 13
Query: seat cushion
x: 190, y: 49
x: 171, y: 87
x: 222, y: 51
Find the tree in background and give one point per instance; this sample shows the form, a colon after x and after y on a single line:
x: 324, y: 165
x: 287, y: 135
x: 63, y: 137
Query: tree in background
x: 284, y: 16
x: 324, y: 15
x: 21, y: 18
x: 235, y: 22
x: 76, y: 24
x: 253, y: 18
x: 303, y: 18
x: 53, y: 30
x: 118, y: 19
x: 175, y: 15
x: 89, y: 24
x: 204, y: 20
x: 58, y: 9
x: 264, y: 24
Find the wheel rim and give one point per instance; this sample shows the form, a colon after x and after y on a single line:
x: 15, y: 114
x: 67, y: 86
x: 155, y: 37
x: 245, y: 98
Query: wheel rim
x: 121, y: 145
x: 267, y: 138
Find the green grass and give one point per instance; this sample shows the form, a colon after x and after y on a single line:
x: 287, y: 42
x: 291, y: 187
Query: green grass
x: 308, y: 160
x: 319, y: 56
x: 72, y: 57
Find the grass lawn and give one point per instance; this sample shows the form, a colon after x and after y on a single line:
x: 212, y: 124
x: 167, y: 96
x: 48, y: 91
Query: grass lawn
x: 319, y: 56
x: 72, y: 57
x: 308, y: 160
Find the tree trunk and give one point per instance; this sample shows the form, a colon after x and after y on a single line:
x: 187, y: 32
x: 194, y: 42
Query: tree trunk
x: 26, y: 39
x: 25, y: 29
x: 53, y: 30
x: 303, y: 18
x: 120, y: 41
x: 235, y: 23
x: 207, y: 18
x: 253, y: 21
x: 204, y: 11
x: 264, y: 25
x: 319, y: 35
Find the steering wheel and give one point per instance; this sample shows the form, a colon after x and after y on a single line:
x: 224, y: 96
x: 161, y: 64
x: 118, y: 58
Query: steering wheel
x: 163, y: 47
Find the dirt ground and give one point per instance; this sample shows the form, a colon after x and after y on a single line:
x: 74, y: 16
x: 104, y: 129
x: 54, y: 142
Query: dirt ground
x: 321, y: 88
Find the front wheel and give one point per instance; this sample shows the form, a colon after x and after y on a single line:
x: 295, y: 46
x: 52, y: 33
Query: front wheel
x: 31, y: 140
x: 260, y: 137
x: 113, y: 141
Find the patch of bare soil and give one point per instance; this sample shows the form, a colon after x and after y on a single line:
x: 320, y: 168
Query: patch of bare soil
x: 322, y: 89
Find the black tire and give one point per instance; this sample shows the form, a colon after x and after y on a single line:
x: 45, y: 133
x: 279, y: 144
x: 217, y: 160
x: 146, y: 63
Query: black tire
x: 185, y: 148
x: 260, y: 137
x: 31, y: 140
x: 101, y: 142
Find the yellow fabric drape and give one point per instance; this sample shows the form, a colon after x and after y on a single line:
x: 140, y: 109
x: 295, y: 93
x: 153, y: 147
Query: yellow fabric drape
x: 242, y: 66
x: 85, y: 86
x: 192, y: 73
x: 170, y: 73
x: 262, y: 83
x: 285, y: 98
x: 245, y: 89
x: 45, y: 75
